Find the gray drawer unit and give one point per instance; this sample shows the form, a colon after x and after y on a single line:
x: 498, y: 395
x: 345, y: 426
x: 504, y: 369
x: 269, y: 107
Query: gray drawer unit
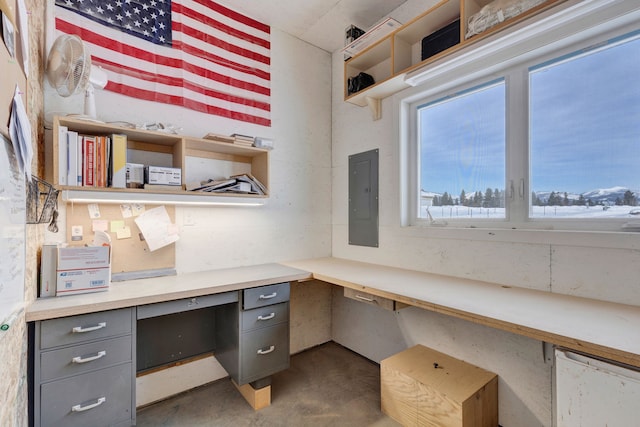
x: 265, y: 295
x: 85, y: 327
x: 84, y: 370
x: 100, y: 398
x: 252, y: 336
x: 81, y: 358
x: 265, y: 316
x: 264, y: 351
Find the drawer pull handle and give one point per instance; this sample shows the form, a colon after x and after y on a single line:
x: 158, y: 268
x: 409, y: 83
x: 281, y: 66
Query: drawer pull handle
x: 269, y: 317
x: 272, y: 348
x: 80, y: 329
x: 80, y: 359
x: 367, y: 299
x: 273, y: 295
x: 80, y: 408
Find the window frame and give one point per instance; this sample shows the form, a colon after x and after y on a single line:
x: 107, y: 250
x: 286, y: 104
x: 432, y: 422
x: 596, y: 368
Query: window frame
x: 515, y: 71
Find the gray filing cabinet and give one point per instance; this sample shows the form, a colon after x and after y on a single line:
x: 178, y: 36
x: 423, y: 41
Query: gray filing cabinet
x: 83, y: 373
x: 252, y: 336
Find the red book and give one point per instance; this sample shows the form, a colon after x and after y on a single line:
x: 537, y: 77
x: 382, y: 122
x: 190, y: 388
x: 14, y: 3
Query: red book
x: 100, y: 164
x: 89, y: 161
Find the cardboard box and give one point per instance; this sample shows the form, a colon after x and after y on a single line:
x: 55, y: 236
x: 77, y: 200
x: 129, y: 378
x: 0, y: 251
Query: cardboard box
x: 163, y: 176
x: 83, y: 269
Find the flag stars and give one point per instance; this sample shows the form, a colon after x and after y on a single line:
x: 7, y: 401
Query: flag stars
x: 147, y: 19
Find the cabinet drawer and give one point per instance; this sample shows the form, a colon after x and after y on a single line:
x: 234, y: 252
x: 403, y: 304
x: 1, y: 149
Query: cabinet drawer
x: 185, y: 304
x: 265, y: 316
x: 264, y: 352
x: 367, y: 298
x: 100, y: 398
x: 265, y: 295
x: 86, y: 327
x: 84, y: 357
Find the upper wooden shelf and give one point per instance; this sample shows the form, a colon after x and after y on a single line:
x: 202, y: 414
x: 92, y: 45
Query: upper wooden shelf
x: 213, y: 159
x: 390, y: 59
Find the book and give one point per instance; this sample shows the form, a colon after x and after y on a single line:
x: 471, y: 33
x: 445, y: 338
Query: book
x: 219, y: 138
x: 244, y: 140
x: 79, y: 159
x: 88, y: 160
x: 63, y: 155
x: 48, y: 266
x: 100, y: 161
x: 119, y: 161
x: 74, y: 177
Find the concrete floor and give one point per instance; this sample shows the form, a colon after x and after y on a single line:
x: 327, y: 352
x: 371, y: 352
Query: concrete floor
x: 328, y: 385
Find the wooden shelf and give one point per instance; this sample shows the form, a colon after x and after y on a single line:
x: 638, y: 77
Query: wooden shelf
x: 199, y: 159
x: 390, y: 59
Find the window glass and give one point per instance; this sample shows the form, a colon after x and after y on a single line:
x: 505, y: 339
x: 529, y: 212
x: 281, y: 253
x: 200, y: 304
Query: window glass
x: 584, y: 130
x: 462, y: 154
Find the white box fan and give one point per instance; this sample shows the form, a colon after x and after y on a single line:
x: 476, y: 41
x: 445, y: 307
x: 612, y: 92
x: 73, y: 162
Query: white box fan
x: 69, y: 71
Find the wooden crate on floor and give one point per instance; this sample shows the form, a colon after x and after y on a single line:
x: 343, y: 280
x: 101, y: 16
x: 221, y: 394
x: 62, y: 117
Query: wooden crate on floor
x: 423, y: 387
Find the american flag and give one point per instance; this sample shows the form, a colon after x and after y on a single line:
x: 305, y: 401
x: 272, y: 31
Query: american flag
x: 193, y: 53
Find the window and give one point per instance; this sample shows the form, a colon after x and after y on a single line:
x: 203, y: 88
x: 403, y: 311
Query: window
x: 462, y: 154
x: 585, y: 133
x: 546, y: 139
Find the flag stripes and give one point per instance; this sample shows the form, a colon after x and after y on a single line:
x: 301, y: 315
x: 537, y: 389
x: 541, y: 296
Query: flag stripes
x: 218, y: 62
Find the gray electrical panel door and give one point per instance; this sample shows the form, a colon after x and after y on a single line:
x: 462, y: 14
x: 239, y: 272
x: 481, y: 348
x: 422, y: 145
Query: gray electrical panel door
x: 363, y: 199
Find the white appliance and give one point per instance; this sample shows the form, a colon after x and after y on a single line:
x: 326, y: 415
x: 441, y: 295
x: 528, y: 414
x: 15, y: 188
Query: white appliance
x: 594, y: 393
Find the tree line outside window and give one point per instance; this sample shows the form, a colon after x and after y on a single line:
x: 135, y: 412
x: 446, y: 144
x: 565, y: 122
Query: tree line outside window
x: 494, y: 198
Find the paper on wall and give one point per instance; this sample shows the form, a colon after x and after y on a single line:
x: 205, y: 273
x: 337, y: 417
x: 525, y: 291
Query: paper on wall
x: 156, y: 227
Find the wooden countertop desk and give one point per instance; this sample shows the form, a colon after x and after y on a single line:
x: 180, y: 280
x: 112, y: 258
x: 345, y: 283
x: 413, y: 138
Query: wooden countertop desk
x: 132, y: 293
x: 599, y: 328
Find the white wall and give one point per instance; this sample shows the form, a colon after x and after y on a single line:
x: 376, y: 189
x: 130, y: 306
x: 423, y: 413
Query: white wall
x: 604, y: 267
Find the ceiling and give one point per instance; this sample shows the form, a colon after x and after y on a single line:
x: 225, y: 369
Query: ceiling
x: 319, y: 22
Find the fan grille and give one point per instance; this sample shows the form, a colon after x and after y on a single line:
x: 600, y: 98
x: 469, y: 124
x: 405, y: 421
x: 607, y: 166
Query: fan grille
x: 68, y: 65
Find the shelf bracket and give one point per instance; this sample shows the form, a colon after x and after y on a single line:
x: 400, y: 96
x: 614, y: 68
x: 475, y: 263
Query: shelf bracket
x: 375, y: 105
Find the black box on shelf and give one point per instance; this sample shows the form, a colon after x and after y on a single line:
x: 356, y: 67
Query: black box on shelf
x: 440, y: 40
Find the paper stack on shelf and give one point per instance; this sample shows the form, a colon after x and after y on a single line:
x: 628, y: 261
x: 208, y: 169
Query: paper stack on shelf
x: 244, y: 140
x: 244, y: 183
